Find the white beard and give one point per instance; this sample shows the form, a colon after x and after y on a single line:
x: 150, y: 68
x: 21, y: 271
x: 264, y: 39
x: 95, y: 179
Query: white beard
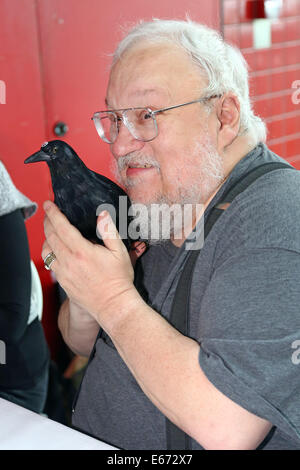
x: 163, y: 218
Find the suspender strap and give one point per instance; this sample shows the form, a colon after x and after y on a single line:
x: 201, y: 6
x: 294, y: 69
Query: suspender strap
x: 179, y: 318
x: 176, y: 438
x: 251, y: 176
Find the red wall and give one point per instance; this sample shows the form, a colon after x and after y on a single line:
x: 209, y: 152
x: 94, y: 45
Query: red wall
x: 22, y: 129
x: 272, y: 72
x: 54, y: 61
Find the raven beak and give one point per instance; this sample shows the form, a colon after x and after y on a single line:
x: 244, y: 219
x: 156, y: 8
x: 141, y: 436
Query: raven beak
x: 39, y: 156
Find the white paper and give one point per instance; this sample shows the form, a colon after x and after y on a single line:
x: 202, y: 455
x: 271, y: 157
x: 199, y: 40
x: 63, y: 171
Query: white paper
x: 22, y: 429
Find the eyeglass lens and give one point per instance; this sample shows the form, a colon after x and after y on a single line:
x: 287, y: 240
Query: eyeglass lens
x: 140, y: 123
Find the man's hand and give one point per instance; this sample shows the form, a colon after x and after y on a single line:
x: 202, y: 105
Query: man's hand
x: 136, y: 250
x: 97, y: 278
x: 164, y: 362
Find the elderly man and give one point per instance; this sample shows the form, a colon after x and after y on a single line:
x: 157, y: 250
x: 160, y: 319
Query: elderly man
x: 231, y: 382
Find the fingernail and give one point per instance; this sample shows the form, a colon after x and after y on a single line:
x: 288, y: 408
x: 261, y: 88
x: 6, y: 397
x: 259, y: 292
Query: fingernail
x: 103, y: 214
x: 46, y: 205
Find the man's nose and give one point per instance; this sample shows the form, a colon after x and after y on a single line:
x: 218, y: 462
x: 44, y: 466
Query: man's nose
x: 125, y: 143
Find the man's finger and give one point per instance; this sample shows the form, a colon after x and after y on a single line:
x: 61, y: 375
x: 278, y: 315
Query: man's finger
x: 64, y: 230
x: 136, y: 250
x: 46, y: 250
x: 56, y: 243
x: 109, y: 233
x: 139, y: 247
x: 58, y: 247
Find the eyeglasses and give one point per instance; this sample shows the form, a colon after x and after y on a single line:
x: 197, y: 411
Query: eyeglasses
x: 141, y: 122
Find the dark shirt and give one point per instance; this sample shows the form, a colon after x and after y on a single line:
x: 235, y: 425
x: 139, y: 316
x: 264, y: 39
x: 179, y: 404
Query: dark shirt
x: 27, y: 354
x: 244, y: 313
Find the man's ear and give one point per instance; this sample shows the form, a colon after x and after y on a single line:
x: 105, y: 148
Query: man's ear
x: 228, y: 114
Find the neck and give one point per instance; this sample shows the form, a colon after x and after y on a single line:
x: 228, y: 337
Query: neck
x: 231, y: 156
x: 234, y: 152
x: 198, y: 212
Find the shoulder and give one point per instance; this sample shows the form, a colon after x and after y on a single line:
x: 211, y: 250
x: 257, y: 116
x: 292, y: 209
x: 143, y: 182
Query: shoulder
x: 276, y: 186
x: 265, y: 215
x: 269, y: 210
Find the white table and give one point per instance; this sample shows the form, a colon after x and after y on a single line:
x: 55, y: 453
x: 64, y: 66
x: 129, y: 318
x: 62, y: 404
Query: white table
x: 21, y: 429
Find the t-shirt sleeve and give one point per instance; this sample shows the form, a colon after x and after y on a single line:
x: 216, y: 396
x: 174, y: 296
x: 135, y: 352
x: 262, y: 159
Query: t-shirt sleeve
x: 249, y: 350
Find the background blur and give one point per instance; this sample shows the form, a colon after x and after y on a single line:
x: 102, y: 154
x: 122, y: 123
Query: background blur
x: 54, y: 59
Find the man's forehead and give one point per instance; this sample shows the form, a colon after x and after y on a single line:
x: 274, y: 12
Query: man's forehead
x: 144, y: 95
x: 156, y: 72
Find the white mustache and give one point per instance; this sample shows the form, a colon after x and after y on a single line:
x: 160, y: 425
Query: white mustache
x: 135, y: 157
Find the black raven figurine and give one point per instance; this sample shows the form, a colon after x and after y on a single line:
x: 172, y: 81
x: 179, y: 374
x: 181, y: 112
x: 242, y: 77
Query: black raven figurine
x: 79, y: 191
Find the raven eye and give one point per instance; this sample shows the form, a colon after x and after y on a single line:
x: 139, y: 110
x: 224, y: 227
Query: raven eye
x: 54, y: 149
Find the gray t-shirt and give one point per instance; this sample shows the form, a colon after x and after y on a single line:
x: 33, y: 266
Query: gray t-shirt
x: 244, y: 312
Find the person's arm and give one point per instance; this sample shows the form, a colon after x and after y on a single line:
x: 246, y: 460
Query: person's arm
x: 163, y: 361
x: 166, y: 366
x: 15, y: 277
x: 78, y: 328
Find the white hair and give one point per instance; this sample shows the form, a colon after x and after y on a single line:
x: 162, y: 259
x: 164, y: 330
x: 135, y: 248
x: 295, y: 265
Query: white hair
x: 221, y: 64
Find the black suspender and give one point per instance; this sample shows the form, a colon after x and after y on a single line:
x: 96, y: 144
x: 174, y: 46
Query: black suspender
x: 176, y: 438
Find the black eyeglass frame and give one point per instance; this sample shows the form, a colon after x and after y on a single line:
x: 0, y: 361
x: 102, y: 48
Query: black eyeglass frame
x: 100, y: 130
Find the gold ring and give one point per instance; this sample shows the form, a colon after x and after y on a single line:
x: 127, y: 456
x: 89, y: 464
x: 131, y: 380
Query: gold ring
x: 49, y: 260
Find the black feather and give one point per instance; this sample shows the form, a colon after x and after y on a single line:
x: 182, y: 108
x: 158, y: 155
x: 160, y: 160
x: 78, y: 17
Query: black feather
x: 79, y: 191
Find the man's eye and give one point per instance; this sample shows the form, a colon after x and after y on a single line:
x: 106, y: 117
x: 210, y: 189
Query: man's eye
x: 108, y: 118
x: 147, y: 115
x: 114, y: 118
x: 144, y: 115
